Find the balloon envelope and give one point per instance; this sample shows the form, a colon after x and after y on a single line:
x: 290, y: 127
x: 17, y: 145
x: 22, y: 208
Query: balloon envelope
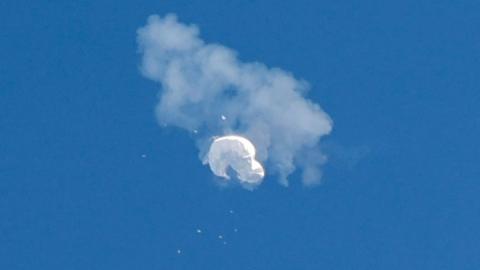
x: 237, y: 153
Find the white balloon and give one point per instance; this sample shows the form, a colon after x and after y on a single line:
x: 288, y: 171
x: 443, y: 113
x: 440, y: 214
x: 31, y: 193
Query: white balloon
x: 238, y: 153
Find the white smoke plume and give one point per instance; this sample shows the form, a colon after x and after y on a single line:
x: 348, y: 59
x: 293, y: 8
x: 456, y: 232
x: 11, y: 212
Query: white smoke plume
x: 208, y: 91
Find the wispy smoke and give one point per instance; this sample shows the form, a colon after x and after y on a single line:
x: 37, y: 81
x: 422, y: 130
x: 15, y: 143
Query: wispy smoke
x: 208, y: 91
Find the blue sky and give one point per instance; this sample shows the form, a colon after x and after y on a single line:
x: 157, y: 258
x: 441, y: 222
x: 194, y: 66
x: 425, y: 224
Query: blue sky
x: 399, y: 79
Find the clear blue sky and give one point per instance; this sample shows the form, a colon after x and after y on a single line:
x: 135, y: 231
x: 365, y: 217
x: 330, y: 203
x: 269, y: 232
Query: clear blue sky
x: 400, y: 79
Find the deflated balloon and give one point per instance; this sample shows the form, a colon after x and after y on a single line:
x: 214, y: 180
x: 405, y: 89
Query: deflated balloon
x: 237, y: 153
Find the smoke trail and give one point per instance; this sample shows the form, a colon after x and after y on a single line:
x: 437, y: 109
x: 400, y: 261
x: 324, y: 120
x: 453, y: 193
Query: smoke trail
x: 208, y: 91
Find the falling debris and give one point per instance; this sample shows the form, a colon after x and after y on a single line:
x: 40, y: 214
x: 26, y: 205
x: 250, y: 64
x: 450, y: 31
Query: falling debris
x: 195, y: 131
x: 224, y: 242
x: 179, y: 251
x: 223, y: 117
x: 235, y: 230
x: 144, y: 156
x: 220, y: 236
x: 231, y: 211
x: 237, y: 153
x: 199, y: 231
